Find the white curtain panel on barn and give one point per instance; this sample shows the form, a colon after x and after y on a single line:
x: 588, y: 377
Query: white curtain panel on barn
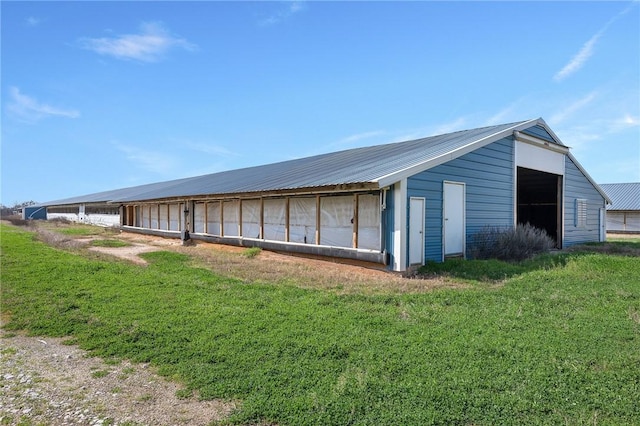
x: 213, y: 218
x: 369, y: 222
x: 199, y: 211
x: 302, y: 220
x: 336, y: 221
x: 231, y: 218
x: 251, y: 218
x: 275, y: 211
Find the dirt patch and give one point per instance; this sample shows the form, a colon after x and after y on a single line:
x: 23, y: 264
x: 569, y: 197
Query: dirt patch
x: 46, y: 382
x: 131, y: 253
x: 342, y: 276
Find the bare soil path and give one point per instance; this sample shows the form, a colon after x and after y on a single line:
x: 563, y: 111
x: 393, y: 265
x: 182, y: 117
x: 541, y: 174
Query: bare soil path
x: 43, y: 381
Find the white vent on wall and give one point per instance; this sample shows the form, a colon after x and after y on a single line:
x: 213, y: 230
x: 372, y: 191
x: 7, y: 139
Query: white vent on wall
x: 581, y: 213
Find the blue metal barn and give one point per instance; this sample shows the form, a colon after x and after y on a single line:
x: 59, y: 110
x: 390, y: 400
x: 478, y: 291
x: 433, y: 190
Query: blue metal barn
x: 399, y: 204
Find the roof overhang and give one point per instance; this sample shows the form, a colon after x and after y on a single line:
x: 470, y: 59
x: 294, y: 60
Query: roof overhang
x: 516, y: 133
x: 590, y: 179
x: 541, y: 143
x: 310, y: 191
x: 392, y: 178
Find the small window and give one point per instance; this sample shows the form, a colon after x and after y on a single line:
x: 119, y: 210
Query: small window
x: 581, y: 212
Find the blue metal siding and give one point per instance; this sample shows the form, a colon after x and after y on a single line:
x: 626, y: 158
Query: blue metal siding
x: 577, y: 186
x: 539, y: 132
x: 488, y: 175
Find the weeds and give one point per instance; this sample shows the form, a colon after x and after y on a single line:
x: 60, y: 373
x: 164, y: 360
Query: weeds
x: 110, y: 243
x: 99, y: 374
x: 251, y: 252
x: 17, y: 220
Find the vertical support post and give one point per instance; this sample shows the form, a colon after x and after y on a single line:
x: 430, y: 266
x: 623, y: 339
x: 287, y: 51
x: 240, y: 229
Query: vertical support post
x: 240, y: 217
x: 286, y: 219
x: 261, y: 218
x: 317, y: 219
x: 354, y: 221
x: 206, y: 217
x: 221, y: 218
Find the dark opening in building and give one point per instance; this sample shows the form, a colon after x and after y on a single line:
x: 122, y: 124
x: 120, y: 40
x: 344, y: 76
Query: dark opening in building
x: 539, y: 198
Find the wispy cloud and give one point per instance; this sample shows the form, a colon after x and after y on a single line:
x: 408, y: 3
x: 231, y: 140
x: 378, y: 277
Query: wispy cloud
x: 587, y: 49
x: 571, y: 109
x: 356, y: 139
x: 452, y: 126
x: 157, y: 162
x: 207, y: 148
x: 33, y: 21
x: 29, y: 109
x: 627, y: 121
x: 579, y: 59
x: 151, y: 44
x: 290, y: 9
x: 504, y: 115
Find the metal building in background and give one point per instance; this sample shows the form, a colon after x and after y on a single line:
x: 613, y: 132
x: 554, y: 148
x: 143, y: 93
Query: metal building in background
x: 623, y: 214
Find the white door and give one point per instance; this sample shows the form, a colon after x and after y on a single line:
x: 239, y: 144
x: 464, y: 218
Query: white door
x: 453, y: 217
x: 416, y: 231
x: 603, y: 225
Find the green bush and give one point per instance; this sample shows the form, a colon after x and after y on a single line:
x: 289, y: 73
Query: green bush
x: 510, y: 244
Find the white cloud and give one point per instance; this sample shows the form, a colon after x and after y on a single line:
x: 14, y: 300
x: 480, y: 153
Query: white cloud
x: 149, y: 45
x: 156, y: 162
x: 207, y: 148
x: 32, y: 21
x: 452, y: 126
x: 579, y: 59
x: 502, y: 116
x: 355, y: 140
x: 629, y: 121
x: 282, y: 14
x: 587, y: 49
x: 29, y: 109
x: 567, y: 111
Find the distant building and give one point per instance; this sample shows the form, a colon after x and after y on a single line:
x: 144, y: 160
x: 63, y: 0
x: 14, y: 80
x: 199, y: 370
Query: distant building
x: 623, y: 214
x: 34, y: 212
x: 398, y: 204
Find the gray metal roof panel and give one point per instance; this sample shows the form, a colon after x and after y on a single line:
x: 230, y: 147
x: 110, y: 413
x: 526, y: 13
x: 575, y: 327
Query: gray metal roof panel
x: 624, y: 196
x: 358, y: 165
x: 352, y: 166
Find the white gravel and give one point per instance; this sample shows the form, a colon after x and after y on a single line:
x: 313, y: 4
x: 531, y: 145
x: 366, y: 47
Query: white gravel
x: 43, y: 381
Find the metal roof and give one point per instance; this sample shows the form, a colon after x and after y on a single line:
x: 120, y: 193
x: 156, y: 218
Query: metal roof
x: 624, y: 196
x: 376, y: 166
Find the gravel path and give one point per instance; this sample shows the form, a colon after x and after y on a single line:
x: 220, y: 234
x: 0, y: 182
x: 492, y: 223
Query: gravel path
x: 44, y: 382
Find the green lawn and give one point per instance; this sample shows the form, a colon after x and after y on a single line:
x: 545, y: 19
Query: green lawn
x: 555, y: 344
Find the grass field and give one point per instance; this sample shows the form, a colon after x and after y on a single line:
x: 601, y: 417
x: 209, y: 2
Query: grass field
x: 556, y: 342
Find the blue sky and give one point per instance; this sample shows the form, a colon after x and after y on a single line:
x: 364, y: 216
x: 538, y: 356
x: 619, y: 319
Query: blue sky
x: 105, y: 95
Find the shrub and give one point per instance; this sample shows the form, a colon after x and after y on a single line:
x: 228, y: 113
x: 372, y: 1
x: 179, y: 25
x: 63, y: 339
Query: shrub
x: 60, y: 221
x: 510, y: 244
x: 17, y: 220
